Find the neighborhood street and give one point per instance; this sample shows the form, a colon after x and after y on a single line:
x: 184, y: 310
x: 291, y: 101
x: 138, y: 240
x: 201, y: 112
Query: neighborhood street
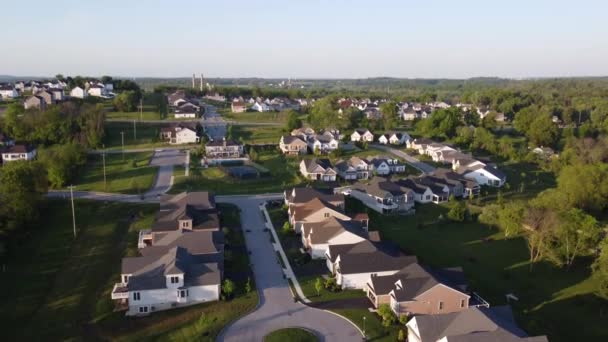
x: 277, y: 308
x: 422, y: 166
x: 213, y: 123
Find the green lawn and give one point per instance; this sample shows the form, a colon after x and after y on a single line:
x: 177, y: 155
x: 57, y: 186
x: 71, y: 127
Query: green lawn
x: 252, y: 134
x: 266, y: 117
x: 121, y: 176
x: 291, y: 335
x: 148, y: 135
x: 149, y: 113
x: 495, y: 266
x: 56, y: 280
x: 283, y: 174
x: 373, y: 325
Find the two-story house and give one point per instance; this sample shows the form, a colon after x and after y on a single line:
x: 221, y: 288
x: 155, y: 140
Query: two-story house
x: 317, y: 236
x: 383, y: 195
x: 318, y: 169
x: 362, y: 134
x: 293, y: 145
x: 225, y: 148
x: 180, y: 134
x: 315, y: 210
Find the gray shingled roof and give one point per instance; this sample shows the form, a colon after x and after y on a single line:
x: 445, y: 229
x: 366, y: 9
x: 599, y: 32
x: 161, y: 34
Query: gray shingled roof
x: 198, y: 206
x: 367, y: 256
x: 321, y: 232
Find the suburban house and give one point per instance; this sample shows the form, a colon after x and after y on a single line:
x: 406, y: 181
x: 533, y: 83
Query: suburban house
x: 180, y: 134
x: 177, y: 98
x: 8, y: 91
x: 362, y: 134
x: 419, y: 144
x: 11, y: 152
x: 5, y: 140
x: 293, y: 145
x: 35, y: 101
x: 238, y: 107
x: 180, y: 268
x: 323, y: 143
x: 425, y: 190
x: 395, y: 138
x: 317, y: 236
x: 96, y: 90
x: 186, y: 110
x: 78, y: 92
x: 225, y: 148
x: 419, y: 290
x: 260, y: 107
x: 544, y: 152
x: 458, y: 185
x: 353, y: 264
x: 58, y: 94
x: 484, y: 174
x: 300, y: 196
x: 475, y: 324
x: 385, y: 165
x: 303, y: 133
x: 318, y: 169
x: 315, y: 210
x: 47, y: 96
x: 353, y: 168
x: 383, y: 195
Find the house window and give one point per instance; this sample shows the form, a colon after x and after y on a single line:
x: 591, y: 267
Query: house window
x: 143, y: 309
x: 125, y: 278
x: 428, y: 197
x: 136, y: 296
x: 326, y: 215
x: 182, y: 293
x: 440, y: 305
x: 462, y: 302
x: 174, y: 280
x: 185, y: 224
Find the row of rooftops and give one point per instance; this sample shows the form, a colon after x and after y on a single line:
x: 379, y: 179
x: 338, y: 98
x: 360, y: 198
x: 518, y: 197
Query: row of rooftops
x: 474, y: 323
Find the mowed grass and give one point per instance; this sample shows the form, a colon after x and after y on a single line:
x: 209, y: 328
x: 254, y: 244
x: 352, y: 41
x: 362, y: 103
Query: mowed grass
x: 122, y: 175
x: 283, y: 174
x: 291, y: 335
x: 56, y: 279
x: 149, y: 113
x: 253, y: 134
x: 495, y: 266
x: 265, y: 117
x: 147, y: 135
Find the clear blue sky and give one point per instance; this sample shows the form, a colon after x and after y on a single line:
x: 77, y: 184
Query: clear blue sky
x: 305, y: 38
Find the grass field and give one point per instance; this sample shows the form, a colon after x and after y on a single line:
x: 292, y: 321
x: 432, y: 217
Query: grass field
x: 283, y: 174
x: 258, y: 134
x: 55, y: 279
x: 291, y: 335
x: 266, y: 117
x: 495, y: 266
x: 148, y: 135
x: 121, y: 176
x: 149, y: 113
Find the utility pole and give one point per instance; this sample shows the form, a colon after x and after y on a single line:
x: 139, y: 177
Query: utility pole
x: 141, y: 108
x: 103, y: 155
x: 134, y: 131
x: 73, y: 212
x: 122, y: 138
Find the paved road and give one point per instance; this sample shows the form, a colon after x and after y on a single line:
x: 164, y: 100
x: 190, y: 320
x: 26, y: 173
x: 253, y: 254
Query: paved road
x: 213, y: 123
x: 424, y: 167
x: 277, y: 308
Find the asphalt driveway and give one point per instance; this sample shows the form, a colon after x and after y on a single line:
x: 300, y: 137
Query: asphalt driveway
x: 277, y: 308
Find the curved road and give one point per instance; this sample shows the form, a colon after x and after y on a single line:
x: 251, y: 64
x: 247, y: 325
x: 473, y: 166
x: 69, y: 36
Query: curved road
x: 277, y: 308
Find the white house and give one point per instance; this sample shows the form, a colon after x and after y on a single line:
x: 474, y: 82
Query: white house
x: 18, y: 152
x: 7, y: 91
x: 485, y: 175
x: 318, y: 236
x: 78, y: 93
x: 96, y: 90
x: 353, y: 264
x: 180, y: 134
x: 323, y: 142
x: 399, y: 138
x: 362, y: 134
x: 260, y: 107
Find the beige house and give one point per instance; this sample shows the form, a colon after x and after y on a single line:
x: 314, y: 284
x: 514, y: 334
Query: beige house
x: 225, y: 148
x: 238, y: 107
x: 315, y: 210
x: 293, y: 145
x: 418, y: 290
x: 35, y: 101
x: 318, y: 169
x: 180, y: 134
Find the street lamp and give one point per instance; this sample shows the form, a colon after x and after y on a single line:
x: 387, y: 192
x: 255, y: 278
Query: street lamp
x: 364, y: 336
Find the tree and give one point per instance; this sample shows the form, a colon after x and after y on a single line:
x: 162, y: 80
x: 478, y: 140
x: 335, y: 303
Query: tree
x: 542, y: 131
x: 576, y: 234
x: 318, y: 285
x: 471, y: 118
x: 489, y: 121
x: 126, y: 101
x: 286, y: 228
x: 253, y: 154
x: 600, y: 269
x: 585, y: 186
x: 401, y: 336
x: 387, y: 314
x: 248, y: 285
x: 389, y: 114
x: 229, y: 132
x: 324, y: 114
x: 23, y: 185
x: 62, y: 162
x: 458, y: 211
x: 293, y: 120
x: 228, y: 288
